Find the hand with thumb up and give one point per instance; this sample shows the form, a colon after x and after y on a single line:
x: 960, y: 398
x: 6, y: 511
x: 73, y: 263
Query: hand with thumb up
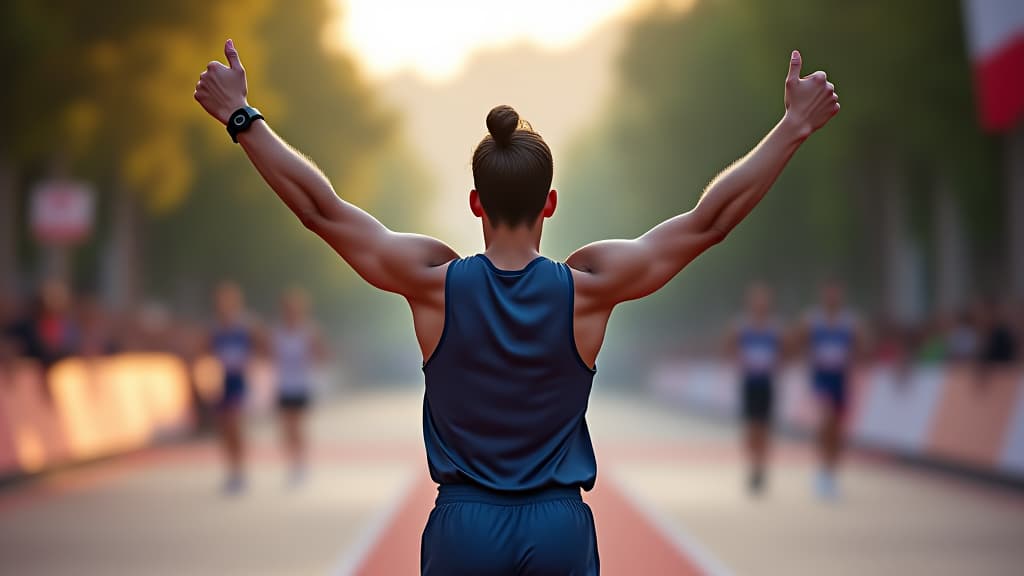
x: 222, y: 89
x: 810, y: 101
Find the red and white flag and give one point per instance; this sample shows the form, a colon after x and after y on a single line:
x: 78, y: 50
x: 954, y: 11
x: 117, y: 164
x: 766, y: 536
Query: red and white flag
x: 995, y: 42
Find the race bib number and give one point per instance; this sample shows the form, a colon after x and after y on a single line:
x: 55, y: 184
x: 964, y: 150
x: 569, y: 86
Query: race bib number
x: 831, y: 354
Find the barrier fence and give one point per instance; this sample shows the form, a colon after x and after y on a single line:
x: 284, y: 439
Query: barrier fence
x: 964, y: 415
x: 87, y: 408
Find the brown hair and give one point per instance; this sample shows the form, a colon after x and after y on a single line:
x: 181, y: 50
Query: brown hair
x: 512, y: 169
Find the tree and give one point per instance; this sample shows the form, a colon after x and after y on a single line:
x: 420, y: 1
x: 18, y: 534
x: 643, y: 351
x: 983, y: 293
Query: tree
x: 697, y: 88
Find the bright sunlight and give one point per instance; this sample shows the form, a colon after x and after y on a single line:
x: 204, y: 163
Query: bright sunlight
x: 433, y: 39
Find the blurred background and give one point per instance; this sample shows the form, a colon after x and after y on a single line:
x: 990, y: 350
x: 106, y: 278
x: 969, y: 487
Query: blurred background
x: 123, y: 206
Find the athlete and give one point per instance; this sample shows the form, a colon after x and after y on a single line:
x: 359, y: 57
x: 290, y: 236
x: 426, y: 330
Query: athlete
x: 232, y: 342
x: 509, y: 338
x: 296, y: 345
x: 756, y: 343
x: 832, y: 337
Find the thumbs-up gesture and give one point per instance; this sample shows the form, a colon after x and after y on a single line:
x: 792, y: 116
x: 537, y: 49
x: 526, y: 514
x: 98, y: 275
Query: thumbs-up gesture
x: 810, y: 101
x: 222, y: 89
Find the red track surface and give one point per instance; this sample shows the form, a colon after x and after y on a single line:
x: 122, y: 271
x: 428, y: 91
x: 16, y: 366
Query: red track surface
x: 628, y: 542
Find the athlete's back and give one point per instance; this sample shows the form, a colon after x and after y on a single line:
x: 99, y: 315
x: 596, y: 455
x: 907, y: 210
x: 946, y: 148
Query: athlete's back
x: 506, y: 390
x: 505, y: 428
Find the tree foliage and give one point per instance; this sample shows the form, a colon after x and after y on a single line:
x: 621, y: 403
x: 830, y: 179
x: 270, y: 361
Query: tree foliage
x: 103, y: 89
x: 697, y: 89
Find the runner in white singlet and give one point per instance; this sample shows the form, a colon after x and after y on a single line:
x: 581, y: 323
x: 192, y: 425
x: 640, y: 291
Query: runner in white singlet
x: 297, y: 346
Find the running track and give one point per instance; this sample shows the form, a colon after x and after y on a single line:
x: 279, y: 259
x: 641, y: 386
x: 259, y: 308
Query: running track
x: 669, y: 501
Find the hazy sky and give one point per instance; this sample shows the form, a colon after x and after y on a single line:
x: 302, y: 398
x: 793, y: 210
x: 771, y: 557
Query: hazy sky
x: 559, y: 91
x: 435, y: 38
x: 444, y: 64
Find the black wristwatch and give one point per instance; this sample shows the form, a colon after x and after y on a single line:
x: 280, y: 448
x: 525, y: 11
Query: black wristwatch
x: 241, y: 119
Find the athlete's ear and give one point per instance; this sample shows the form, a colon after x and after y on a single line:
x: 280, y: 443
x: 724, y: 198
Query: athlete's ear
x: 550, y: 204
x: 474, y: 204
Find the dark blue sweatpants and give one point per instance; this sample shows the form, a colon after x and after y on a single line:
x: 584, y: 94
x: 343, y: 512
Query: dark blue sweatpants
x: 477, y: 532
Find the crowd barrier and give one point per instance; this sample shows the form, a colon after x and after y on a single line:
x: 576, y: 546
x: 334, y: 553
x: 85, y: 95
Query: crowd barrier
x: 87, y: 408
x: 963, y: 415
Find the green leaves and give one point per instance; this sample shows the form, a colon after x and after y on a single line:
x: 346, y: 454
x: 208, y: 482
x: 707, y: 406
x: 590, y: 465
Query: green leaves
x: 698, y: 88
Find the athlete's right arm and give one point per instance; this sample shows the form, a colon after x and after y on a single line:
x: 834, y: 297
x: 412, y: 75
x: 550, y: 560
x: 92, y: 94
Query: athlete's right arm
x: 391, y: 261
x: 402, y: 263
x: 613, y: 271
x: 731, y: 343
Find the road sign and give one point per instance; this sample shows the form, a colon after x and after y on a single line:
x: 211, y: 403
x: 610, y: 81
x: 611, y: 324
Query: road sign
x: 61, y: 212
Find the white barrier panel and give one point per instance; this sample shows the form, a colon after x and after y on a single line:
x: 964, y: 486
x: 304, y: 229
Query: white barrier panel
x: 704, y: 385
x: 898, y: 408
x: 795, y: 404
x: 950, y: 413
x: 1012, y: 457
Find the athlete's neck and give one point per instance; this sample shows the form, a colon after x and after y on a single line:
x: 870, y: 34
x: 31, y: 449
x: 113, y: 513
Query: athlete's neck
x: 512, y: 248
x: 832, y: 313
x: 757, y: 319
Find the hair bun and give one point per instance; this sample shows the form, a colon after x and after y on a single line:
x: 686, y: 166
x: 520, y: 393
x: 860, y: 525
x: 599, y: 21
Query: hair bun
x: 502, y: 122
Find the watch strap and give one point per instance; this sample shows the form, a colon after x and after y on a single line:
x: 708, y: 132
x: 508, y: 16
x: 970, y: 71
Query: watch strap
x: 240, y: 121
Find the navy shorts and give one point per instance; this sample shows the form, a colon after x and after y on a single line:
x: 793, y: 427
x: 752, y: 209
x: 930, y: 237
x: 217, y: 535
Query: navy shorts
x: 473, y: 531
x: 234, y: 392
x: 758, y: 399
x: 830, y: 387
x: 293, y: 401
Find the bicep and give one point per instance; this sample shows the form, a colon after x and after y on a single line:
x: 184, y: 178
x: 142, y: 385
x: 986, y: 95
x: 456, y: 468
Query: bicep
x: 319, y: 344
x: 621, y: 270
x: 392, y: 261
x: 861, y: 339
x: 731, y: 341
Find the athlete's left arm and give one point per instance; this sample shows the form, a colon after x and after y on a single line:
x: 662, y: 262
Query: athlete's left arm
x: 407, y: 264
x: 793, y: 338
x: 620, y: 270
x: 260, y: 338
x: 321, y: 351
x: 862, y: 340
x: 731, y: 342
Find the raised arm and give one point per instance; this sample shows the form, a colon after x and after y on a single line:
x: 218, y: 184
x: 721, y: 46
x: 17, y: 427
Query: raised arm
x: 614, y: 271
x: 403, y: 263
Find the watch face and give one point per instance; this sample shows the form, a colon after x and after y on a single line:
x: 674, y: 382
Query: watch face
x: 240, y: 120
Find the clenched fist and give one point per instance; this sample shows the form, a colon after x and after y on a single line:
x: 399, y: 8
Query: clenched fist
x: 222, y: 89
x: 810, y: 101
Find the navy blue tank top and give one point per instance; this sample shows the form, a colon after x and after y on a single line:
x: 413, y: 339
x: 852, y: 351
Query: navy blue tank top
x: 760, y: 348
x: 831, y: 342
x: 506, y: 390
x: 232, y: 345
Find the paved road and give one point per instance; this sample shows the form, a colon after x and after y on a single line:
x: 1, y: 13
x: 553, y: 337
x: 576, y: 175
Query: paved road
x: 670, y: 500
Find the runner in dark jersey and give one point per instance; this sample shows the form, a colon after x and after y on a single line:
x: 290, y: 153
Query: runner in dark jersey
x: 757, y: 345
x: 832, y: 338
x: 509, y: 337
x: 232, y: 343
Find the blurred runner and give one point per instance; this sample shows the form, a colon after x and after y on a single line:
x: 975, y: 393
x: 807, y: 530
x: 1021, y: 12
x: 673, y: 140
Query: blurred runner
x: 509, y: 338
x: 17, y: 336
x: 232, y: 341
x: 756, y: 344
x: 296, y: 345
x: 963, y: 339
x: 97, y: 335
x: 999, y: 347
x: 55, y: 329
x: 832, y: 336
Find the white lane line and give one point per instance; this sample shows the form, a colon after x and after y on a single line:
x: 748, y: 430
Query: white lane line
x: 353, y: 557
x: 684, y: 543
